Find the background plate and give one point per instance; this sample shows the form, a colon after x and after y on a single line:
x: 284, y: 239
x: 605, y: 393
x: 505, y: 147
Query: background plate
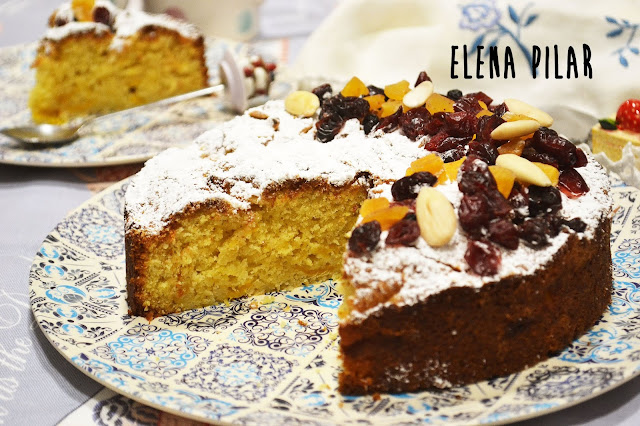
x: 273, y: 359
x: 129, y: 138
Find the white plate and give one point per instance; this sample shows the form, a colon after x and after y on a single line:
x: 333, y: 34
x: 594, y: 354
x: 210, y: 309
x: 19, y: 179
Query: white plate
x: 273, y: 359
x: 129, y: 138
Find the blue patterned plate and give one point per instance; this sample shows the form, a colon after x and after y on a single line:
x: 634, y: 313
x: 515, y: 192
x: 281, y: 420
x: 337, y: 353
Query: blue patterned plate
x: 129, y: 138
x: 273, y: 359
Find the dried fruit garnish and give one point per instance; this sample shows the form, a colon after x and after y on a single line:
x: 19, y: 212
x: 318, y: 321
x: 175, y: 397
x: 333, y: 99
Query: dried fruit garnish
x: 390, y: 123
x: 548, y: 141
x: 355, y: 87
x: 454, y: 94
x: 572, y: 184
x: 474, y: 213
x: 328, y: 127
x: 408, y: 187
x: 534, y: 232
x: 373, y: 204
x: 475, y: 176
x: 397, y: 90
x: 423, y: 76
x: 369, y: 122
x: 438, y: 103
x: 581, y: 158
x: 543, y: 200
x: 387, y: 217
x: 502, y: 231
x: 321, y: 91
x: 405, y: 232
x: 365, y: 238
x: 575, y: 224
x: 484, y: 150
x: 414, y: 122
x: 102, y: 15
x: 483, y: 257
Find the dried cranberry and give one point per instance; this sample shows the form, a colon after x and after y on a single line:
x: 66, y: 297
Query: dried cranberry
x: 548, y: 141
x: 554, y: 224
x: 60, y: 21
x: 474, y: 213
x: 390, y: 122
x: 483, y: 257
x: 474, y: 176
x: 454, y: 94
x: 365, y: 237
x: 534, y: 232
x: 102, y: 15
x: 436, y: 124
x: 404, y: 232
x: 499, y: 110
x: 498, y: 206
x: 408, y: 187
x: 575, y: 224
x: 469, y: 102
x: 328, y: 127
x: 544, y: 199
x: 505, y: 233
x: 375, y: 90
x: 423, y: 76
x: 461, y: 123
x: 581, y: 158
x: 572, y: 184
x: 453, y: 154
x: 414, y: 122
x: 446, y: 144
x: 369, y: 122
x: 486, y: 125
x: 484, y: 150
x: 539, y: 157
x: 346, y: 107
x: 321, y: 91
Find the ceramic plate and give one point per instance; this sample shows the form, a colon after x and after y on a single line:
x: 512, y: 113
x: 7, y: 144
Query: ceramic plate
x: 273, y: 359
x: 129, y: 138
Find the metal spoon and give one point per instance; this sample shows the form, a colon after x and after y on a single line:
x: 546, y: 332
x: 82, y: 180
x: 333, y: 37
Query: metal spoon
x: 50, y: 134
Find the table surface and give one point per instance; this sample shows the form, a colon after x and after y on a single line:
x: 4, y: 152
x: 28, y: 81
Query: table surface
x: 37, y: 385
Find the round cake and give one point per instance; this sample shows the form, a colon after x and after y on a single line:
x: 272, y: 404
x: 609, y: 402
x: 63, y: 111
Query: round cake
x: 472, y: 240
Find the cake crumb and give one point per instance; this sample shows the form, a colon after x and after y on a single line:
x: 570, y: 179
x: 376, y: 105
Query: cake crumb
x: 253, y: 305
x: 302, y: 323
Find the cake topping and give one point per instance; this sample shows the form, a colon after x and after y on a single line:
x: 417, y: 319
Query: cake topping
x: 365, y: 238
x: 419, y: 95
x: 524, y: 170
x: 354, y: 88
x: 521, y: 108
x: 301, y: 103
x: 514, y: 129
x: 436, y: 217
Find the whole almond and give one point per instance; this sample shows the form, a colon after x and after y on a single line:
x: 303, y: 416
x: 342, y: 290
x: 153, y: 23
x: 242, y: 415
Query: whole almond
x: 301, y: 103
x: 418, y: 96
x: 518, y: 107
x: 436, y: 217
x: 514, y: 129
x: 525, y: 170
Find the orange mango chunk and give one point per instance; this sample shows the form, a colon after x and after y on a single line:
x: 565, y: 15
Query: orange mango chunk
x: 83, y: 10
x: 375, y: 101
x: 355, y: 87
x: 389, y: 107
x: 552, y: 173
x: 451, y: 169
x: 504, y: 179
x: 387, y: 217
x: 431, y: 163
x: 438, y: 103
x: 397, y: 90
x: 372, y: 205
x: 514, y: 146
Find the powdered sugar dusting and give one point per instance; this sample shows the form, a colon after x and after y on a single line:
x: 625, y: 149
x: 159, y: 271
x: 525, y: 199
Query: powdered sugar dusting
x: 126, y: 24
x: 238, y: 160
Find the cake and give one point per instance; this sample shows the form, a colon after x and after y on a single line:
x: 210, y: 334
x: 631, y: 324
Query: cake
x: 479, y: 240
x: 96, y: 58
x: 611, y: 135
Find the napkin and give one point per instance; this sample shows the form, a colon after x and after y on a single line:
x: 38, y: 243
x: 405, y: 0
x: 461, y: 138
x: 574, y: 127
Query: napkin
x: 383, y: 42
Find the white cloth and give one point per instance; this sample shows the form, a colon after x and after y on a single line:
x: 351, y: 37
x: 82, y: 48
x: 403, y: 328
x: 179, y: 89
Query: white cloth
x: 383, y: 41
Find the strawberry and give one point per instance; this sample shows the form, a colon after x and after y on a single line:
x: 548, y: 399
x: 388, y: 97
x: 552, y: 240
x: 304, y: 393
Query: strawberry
x: 628, y: 116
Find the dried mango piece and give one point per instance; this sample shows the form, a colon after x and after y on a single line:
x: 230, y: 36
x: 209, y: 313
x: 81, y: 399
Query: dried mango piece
x: 514, y: 146
x: 83, y: 10
x: 397, y: 90
x: 438, y: 103
x: 504, y: 179
x: 389, y: 107
x: 431, y: 163
x: 552, y: 173
x: 387, y: 217
x: 355, y: 87
x: 451, y: 169
x: 375, y: 101
x: 373, y: 204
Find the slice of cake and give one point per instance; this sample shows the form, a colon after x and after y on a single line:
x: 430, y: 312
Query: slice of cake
x: 612, y: 135
x: 481, y: 243
x: 96, y: 58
